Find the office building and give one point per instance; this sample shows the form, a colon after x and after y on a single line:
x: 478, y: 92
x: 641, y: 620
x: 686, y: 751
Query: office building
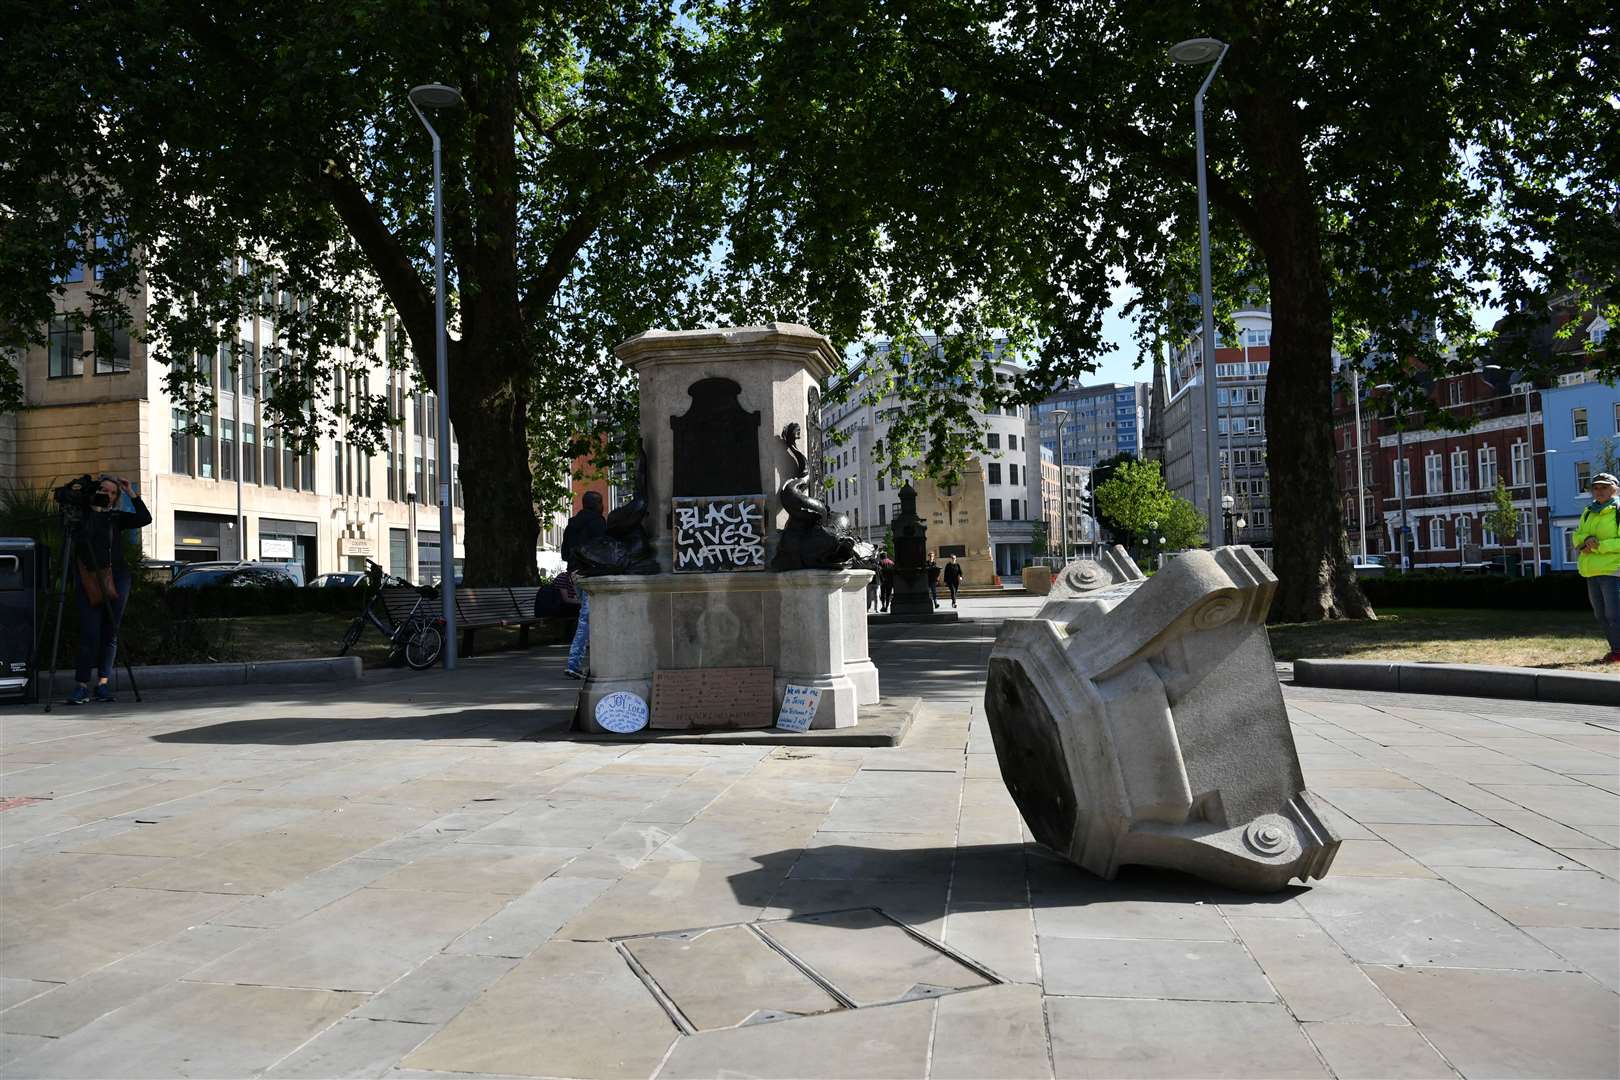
x: 998, y: 526
x: 1241, y: 366
x: 97, y: 403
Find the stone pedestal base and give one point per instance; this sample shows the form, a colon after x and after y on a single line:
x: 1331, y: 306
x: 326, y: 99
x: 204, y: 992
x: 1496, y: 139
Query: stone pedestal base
x: 807, y: 625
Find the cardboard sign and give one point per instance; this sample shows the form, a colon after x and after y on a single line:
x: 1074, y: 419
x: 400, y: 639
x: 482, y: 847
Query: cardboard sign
x: 713, y: 697
x: 719, y: 533
x: 799, y: 705
x: 621, y: 712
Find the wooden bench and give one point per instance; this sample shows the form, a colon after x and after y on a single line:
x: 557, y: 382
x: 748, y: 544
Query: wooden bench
x: 476, y: 608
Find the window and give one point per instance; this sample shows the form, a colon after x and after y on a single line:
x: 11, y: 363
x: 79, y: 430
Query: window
x: 1583, y: 475
x: 995, y: 509
x: 1459, y: 470
x: 1487, y: 467
x: 1434, y: 476
x: 994, y: 473
x: 1524, y: 527
x: 1520, y: 458
x: 883, y: 513
x: 250, y: 369
x: 993, y: 441
x: 1220, y: 425
x: 1437, y: 533
x: 1577, y: 423
x: 1488, y: 536
x: 339, y: 487
x: 66, y: 347
x: 1012, y: 476
x: 112, y: 349
x: 1401, y: 477
x: 272, y: 454
x: 179, y: 442
x: 1012, y: 442
x: 880, y: 481
x: 1013, y: 506
x: 205, y: 446
x: 1454, y: 392
x: 250, y: 455
x: 1465, y: 532
x: 227, y: 449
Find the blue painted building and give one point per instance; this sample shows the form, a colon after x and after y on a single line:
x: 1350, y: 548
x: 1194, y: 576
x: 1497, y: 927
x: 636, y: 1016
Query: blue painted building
x: 1581, y: 425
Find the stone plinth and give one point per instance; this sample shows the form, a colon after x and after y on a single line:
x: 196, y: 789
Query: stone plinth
x: 775, y: 366
x: 957, y: 523
x: 809, y: 625
x: 1140, y: 721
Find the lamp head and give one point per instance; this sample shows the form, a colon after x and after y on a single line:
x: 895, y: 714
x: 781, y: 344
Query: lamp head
x: 1227, y: 502
x: 435, y: 96
x: 1196, y: 51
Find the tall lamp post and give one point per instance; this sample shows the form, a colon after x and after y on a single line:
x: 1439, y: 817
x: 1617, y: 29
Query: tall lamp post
x: 439, y: 96
x: 1361, y: 478
x: 1196, y: 52
x: 1227, y: 502
x: 1062, y: 417
x: 1402, y: 475
x: 1530, y: 466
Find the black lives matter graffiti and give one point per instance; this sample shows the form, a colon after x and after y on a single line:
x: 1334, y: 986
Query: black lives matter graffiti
x: 719, y: 533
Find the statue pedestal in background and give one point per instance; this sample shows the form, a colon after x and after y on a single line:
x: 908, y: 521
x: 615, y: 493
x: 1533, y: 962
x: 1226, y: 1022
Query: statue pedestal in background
x: 721, y: 413
x: 1140, y: 721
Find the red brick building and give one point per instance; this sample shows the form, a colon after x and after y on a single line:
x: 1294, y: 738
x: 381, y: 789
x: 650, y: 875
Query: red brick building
x: 1438, y: 485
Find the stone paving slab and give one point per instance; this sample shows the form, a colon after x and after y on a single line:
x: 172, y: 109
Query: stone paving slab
x: 423, y: 883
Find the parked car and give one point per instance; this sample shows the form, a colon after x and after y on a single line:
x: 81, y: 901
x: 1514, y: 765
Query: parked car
x: 345, y: 579
x: 161, y: 571
x: 210, y: 575
x: 1371, y: 566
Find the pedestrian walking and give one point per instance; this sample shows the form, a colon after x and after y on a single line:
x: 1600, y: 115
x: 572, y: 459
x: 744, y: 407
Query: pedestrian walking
x: 885, y: 583
x: 104, y: 581
x: 933, y: 569
x: 583, y: 527
x: 872, y: 591
x: 953, y: 578
x: 1597, y: 540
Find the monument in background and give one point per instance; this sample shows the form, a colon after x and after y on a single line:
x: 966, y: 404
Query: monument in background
x: 721, y: 415
x: 1140, y: 721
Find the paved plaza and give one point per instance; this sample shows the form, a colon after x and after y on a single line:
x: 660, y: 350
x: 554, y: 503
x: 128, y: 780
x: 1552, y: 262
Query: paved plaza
x: 421, y: 875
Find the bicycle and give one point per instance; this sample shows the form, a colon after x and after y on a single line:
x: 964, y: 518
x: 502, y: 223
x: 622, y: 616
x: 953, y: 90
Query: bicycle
x: 418, y: 637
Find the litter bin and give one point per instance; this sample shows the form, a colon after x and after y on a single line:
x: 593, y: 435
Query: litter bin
x: 19, y: 613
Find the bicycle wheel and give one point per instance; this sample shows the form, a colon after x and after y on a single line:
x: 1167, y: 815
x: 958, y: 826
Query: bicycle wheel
x: 423, y: 645
x: 350, y: 636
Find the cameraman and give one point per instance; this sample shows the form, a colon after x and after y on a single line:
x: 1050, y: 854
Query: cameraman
x: 104, y: 580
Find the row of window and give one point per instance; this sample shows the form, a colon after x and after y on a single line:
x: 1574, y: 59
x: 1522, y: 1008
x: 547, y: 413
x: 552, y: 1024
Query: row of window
x: 67, y: 350
x: 1434, y: 471
x: 1435, y: 536
x: 993, y: 474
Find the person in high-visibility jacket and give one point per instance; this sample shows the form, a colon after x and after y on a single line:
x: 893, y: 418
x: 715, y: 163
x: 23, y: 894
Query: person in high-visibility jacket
x: 1597, y: 539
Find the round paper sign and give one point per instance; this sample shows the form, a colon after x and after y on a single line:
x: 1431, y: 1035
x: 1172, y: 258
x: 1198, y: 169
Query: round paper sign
x: 621, y: 712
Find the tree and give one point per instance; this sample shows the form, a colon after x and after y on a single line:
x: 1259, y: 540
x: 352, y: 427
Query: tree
x: 1136, y: 499
x: 1502, y: 519
x: 1375, y: 174
x: 1038, y: 544
x: 588, y: 180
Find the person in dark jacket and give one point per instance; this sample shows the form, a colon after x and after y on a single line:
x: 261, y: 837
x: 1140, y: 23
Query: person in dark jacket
x: 932, y: 568
x: 885, y: 583
x: 953, y: 578
x: 583, y: 527
x: 103, y: 577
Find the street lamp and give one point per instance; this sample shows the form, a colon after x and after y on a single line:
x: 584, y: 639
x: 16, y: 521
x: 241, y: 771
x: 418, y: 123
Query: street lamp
x: 1062, y: 416
x: 1227, y: 502
x: 439, y: 96
x: 1194, y: 52
x: 1402, y: 475
x: 1361, y: 479
x: 1530, y: 467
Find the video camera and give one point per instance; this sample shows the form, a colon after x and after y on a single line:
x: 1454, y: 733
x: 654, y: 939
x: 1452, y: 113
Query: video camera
x: 83, y: 493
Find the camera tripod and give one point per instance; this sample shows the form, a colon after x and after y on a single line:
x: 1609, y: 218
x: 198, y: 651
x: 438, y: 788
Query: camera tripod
x: 67, y: 582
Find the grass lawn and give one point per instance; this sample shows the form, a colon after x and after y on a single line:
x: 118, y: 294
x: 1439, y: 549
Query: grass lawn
x: 1542, y: 639
x: 300, y: 637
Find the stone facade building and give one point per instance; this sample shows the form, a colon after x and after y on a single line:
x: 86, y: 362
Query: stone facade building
x: 96, y: 403
x: 1001, y: 503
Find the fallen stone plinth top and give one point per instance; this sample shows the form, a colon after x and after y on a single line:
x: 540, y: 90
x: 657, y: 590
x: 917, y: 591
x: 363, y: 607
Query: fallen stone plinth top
x: 1140, y: 721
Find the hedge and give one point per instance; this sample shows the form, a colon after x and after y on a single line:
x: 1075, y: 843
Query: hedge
x: 1550, y: 592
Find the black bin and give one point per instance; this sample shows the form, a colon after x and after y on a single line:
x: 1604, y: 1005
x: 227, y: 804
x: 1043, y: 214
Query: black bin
x: 20, y: 571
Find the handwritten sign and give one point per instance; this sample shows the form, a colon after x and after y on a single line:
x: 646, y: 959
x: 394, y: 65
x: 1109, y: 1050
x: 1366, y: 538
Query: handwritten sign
x: 713, y: 697
x: 799, y: 705
x: 719, y: 533
x: 621, y: 712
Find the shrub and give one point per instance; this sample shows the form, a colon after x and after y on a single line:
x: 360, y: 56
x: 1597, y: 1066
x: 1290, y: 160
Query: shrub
x: 1550, y: 592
